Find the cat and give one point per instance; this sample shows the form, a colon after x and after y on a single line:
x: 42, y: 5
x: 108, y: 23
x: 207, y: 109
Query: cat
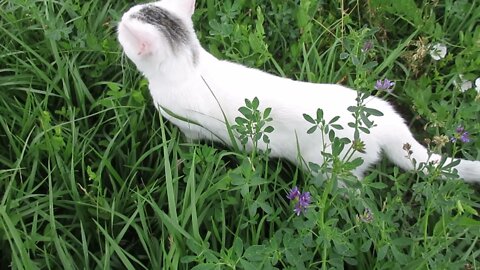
x: 198, y: 93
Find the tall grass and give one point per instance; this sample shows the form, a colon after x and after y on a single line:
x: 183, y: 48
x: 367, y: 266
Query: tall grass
x: 92, y: 177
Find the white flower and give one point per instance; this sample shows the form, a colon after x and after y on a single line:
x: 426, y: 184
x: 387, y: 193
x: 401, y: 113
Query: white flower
x: 463, y: 84
x: 477, y: 84
x: 438, y: 51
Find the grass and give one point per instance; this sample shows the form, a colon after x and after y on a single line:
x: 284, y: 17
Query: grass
x: 91, y: 176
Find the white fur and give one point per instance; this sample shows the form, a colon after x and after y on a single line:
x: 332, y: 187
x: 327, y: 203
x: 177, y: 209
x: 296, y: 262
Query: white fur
x: 177, y: 84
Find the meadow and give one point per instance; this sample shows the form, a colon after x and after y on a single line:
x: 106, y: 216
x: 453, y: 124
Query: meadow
x: 92, y: 177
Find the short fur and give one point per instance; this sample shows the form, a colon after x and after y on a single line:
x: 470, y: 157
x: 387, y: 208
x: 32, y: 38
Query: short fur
x: 171, y: 27
x: 178, y: 77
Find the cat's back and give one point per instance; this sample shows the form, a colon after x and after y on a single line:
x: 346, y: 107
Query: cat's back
x: 236, y: 80
x: 257, y: 81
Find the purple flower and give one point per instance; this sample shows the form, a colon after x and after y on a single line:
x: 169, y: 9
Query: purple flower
x: 367, y: 46
x: 460, y: 134
x: 297, y: 209
x: 464, y: 137
x: 302, y: 200
x: 460, y: 129
x: 294, y: 193
x: 384, y: 85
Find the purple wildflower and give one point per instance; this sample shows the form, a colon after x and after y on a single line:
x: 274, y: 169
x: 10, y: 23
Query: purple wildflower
x: 460, y: 134
x: 367, y: 46
x: 297, y: 209
x: 460, y: 129
x: 384, y: 85
x: 302, y: 200
x: 464, y: 137
x: 294, y: 193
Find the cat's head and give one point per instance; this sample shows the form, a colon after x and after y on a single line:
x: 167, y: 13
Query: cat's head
x: 154, y: 33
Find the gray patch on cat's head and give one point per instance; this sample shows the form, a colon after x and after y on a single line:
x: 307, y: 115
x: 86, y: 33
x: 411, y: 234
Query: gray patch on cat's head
x: 172, y: 27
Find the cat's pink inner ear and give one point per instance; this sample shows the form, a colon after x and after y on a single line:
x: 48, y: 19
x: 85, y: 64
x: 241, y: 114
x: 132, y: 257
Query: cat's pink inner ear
x: 143, y: 42
x: 139, y: 39
x: 192, y: 7
x: 144, y: 47
x: 188, y: 6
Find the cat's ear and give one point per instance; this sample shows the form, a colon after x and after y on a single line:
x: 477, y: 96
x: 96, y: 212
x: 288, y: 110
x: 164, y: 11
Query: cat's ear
x: 137, y: 40
x: 187, y: 6
x: 144, y: 47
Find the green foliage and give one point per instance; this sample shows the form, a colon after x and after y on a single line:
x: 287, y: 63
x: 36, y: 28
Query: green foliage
x: 251, y: 126
x: 91, y: 177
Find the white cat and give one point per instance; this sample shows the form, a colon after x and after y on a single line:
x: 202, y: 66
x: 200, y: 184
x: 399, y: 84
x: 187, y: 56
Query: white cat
x: 187, y: 81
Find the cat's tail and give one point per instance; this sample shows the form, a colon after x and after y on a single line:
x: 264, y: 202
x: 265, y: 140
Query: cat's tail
x: 401, y: 148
